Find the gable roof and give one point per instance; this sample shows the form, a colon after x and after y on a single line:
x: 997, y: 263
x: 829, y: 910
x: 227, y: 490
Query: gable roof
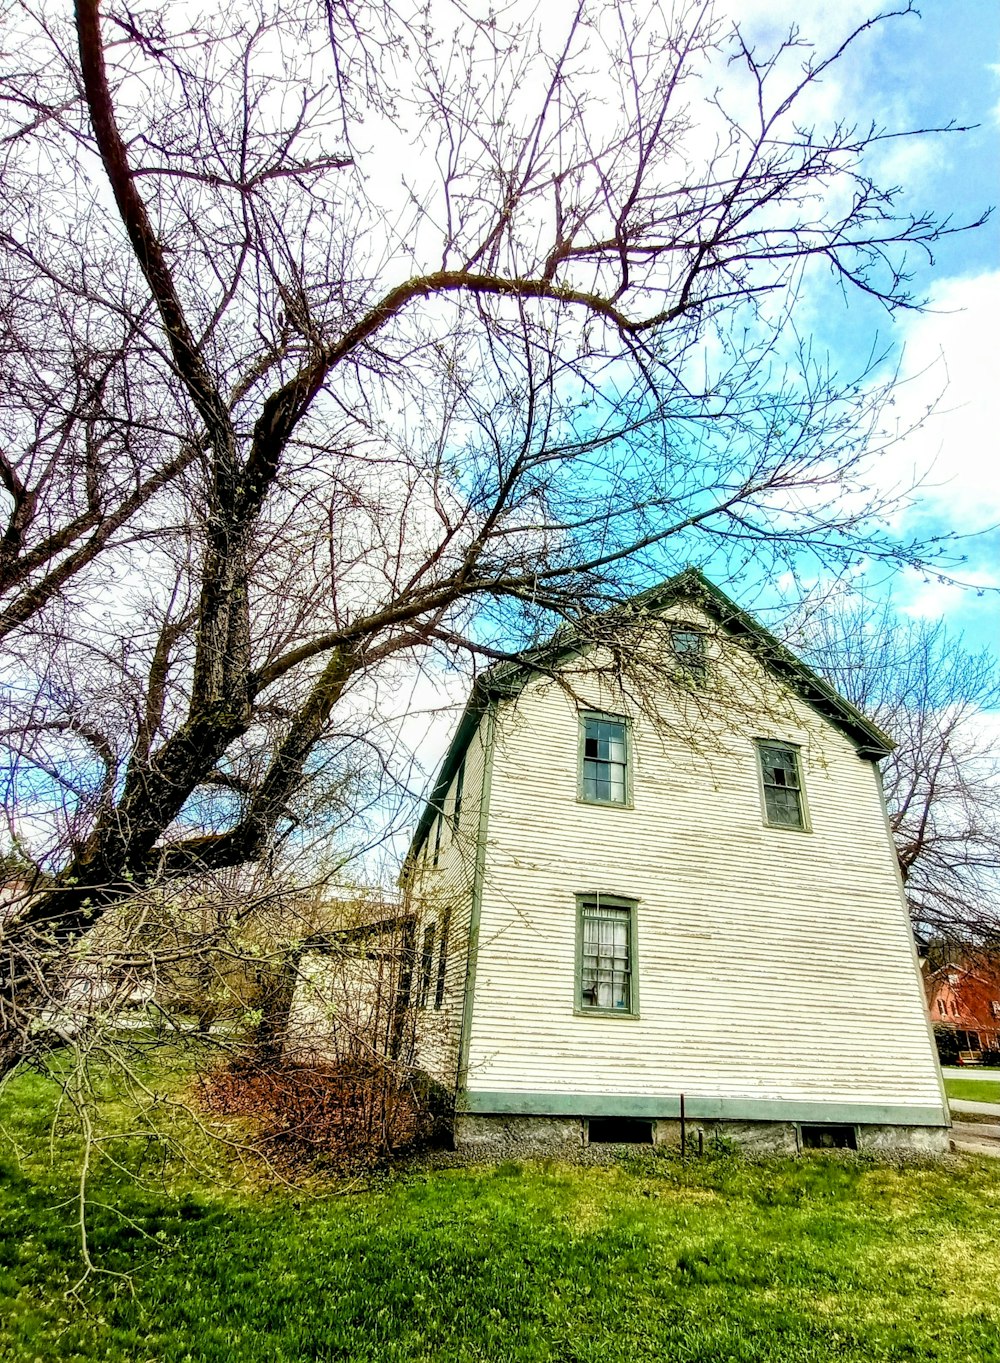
x: 507, y: 678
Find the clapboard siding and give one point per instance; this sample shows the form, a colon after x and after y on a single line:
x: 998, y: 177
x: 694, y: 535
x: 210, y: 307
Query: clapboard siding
x: 771, y: 962
x: 446, y: 891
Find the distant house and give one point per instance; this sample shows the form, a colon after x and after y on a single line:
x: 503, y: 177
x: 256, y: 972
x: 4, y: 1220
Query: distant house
x: 656, y: 863
x: 963, y: 999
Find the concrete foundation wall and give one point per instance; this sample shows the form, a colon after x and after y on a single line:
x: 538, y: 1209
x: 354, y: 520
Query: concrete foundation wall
x: 918, y: 1140
x: 501, y: 1135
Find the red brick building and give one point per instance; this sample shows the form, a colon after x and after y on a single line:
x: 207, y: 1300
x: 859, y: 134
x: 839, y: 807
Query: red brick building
x: 965, y: 998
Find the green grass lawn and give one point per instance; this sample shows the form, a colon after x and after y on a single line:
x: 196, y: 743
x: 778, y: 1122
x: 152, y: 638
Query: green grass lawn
x: 724, y: 1260
x: 974, y: 1090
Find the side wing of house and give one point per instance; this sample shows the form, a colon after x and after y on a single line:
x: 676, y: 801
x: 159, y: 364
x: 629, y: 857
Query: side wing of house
x: 443, y: 877
x: 690, y: 891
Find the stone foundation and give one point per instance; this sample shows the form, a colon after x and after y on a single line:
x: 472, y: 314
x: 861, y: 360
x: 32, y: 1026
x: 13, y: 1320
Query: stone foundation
x: 521, y: 1135
x: 914, y: 1140
x: 499, y: 1136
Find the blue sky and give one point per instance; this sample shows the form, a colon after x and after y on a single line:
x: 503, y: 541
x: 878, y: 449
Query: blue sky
x: 928, y: 70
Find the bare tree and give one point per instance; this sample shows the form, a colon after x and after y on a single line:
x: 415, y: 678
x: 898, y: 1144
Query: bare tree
x: 940, y: 702
x: 293, y: 421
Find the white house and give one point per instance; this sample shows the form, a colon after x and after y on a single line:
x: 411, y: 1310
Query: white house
x: 655, y: 864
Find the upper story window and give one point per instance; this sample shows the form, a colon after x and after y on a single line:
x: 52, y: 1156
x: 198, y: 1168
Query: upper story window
x: 605, y: 760
x: 688, y: 647
x: 782, y: 784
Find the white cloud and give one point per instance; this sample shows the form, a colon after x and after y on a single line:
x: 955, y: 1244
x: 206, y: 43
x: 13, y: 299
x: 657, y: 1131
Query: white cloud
x: 928, y: 598
x: 949, y: 363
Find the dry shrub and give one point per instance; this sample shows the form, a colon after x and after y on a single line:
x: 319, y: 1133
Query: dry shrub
x: 350, y: 1112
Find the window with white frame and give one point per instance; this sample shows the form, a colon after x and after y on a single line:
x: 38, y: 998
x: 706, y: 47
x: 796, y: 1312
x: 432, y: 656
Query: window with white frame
x: 604, y: 775
x: 781, y: 780
x: 606, y: 955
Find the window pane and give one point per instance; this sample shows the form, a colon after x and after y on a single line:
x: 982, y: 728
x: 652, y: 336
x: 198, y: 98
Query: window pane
x: 605, y: 759
x: 783, y: 806
x: 606, y: 967
x: 689, y: 642
x: 780, y: 766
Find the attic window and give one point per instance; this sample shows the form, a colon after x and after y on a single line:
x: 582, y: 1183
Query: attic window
x: 782, y: 785
x: 688, y: 647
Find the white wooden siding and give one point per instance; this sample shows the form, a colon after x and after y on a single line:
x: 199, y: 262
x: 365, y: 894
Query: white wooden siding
x: 436, y: 892
x: 772, y: 962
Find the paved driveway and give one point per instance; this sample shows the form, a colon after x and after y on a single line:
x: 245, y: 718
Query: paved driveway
x: 971, y: 1072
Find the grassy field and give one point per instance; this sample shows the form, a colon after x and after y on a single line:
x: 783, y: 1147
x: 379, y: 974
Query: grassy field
x: 643, y: 1260
x: 975, y: 1090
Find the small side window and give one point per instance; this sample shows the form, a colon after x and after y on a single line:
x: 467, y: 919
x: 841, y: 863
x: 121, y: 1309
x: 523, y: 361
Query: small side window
x: 782, y: 785
x: 426, y: 967
x: 442, y: 969
x: 459, y: 791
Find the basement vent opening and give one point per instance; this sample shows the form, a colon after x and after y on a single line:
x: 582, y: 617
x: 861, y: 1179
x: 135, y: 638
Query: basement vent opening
x: 828, y: 1137
x: 619, y: 1131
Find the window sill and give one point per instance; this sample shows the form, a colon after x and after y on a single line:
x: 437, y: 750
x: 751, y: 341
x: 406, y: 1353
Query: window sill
x: 787, y: 827
x: 604, y: 1013
x: 605, y: 804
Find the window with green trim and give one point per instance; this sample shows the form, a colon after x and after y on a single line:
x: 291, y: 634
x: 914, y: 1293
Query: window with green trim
x: 606, y: 955
x: 604, y: 776
x: 781, y: 780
